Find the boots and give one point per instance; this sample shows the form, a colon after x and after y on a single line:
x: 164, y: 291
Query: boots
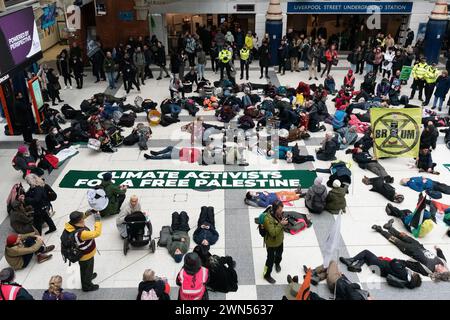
x: 376, y: 228
x: 269, y: 279
x: 352, y: 265
x: 48, y: 249
x: 277, y: 268
x: 389, y: 224
x: 389, y: 209
x: 41, y: 257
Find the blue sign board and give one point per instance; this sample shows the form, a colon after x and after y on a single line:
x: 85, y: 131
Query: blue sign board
x: 349, y: 7
x: 48, y: 16
x: 126, y: 15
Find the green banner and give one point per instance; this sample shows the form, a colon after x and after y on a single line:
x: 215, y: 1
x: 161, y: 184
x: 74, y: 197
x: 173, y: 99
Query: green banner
x: 406, y: 73
x: 447, y: 166
x: 198, y: 180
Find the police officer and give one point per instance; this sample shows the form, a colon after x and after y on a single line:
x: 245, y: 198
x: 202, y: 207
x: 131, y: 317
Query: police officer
x: 225, y: 57
x: 430, y: 82
x: 419, y: 71
x: 245, y: 61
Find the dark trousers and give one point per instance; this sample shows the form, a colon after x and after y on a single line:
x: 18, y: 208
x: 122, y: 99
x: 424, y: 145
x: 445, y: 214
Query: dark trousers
x: 39, y: 218
x: 128, y: 83
x: 180, y: 221
x: 191, y: 58
x: 148, y: 72
x: 378, y: 185
x: 388, y: 73
x: 274, y: 255
x: 121, y: 199
x: 360, y: 67
x: 429, y: 89
x: 29, y: 242
x: 418, y: 85
x: 228, y: 68
x: 67, y: 79
x: 27, y: 133
x: 372, y: 260
x: 282, y: 66
x: 266, y: 69
x: 402, y: 241
x: 79, y: 80
x: 86, y: 273
x: 214, y: 64
x: 244, y: 66
x: 441, y: 187
x: 206, y: 215
x: 327, y: 69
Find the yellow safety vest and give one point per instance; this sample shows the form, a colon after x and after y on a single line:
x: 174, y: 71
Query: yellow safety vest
x: 225, y: 56
x: 432, y: 75
x: 420, y: 70
x: 245, y: 54
x: 249, y: 42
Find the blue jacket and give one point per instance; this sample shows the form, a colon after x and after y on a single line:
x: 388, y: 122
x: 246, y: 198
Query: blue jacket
x: 206, y: 234
x: 417, y: 184
x: 442, y: 87
x: 265, y: 200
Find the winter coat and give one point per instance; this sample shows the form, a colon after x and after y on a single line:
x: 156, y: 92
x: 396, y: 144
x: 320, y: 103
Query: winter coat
x: 139, y: 59
x: 211, y: 235
x: 315, y: 199
x: 21, y: 218
x: 64, y: 295
x: 174, y: 242
x: 274, y: 231
x: 201, y: 57
x: 429, y: 139
x: 442, y: 87
x: 112, y: 192
x: 264, y: 56
x: 336, y: 200
x: 109, y: 65
x: 14, y: 255
x: 158, y: 286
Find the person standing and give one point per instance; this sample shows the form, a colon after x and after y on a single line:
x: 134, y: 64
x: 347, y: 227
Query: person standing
x: 430, y: 83
x: 54, y: 86
x: 293, y: 54
x: 274, y: 223
x: 63, y: 66
x: 244, y: 54
x: 24, y: 117
x: 139, y: 62
x: 77, y: 66
x: 214, y: 53
x: 161, y: 60
x: 378, y: 59
x: 109, y: 65
x: 283, y: 55
x: 129, y: 76
x: 201, y: 63
x: 148, y: 61
x: 409, y: 37
x: 419, y: 72
x: 264, y: 59
x: 388, y: 58
x: 442, y: 88
x: 225, y: 57
x: 86, y: 243
x: 331, y: 57
x: 239, y: 38
x: 190, y: 49
x: 354, y: 58
x: 313, y: 59
x: 192, y: 279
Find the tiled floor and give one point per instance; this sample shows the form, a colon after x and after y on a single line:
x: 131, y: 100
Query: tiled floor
x: 235, y: 221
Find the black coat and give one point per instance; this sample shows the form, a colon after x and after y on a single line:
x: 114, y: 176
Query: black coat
x: 264, y: 56
x: 37, y: 198
x: 157, y: 286
x: 206, y: 234
x: 429, y: 139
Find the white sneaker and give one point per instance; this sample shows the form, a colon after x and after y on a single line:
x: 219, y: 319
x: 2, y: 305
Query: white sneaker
x: 71, y: 87
x: 65, y: 88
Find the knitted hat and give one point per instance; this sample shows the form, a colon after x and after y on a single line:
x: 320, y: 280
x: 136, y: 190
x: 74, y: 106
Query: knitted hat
x: 12, y: 239
x: 107, y: 176
x: 22, y: 149
x: 336, y: 184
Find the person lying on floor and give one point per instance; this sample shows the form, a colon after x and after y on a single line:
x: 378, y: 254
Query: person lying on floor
x: 421, y: 184
x: 179, y: 240
x: 206, y: 233
x: 338, y: 283
x: 265, y: 199
x: 172, y: 153
x: 329, y: 146
x: 367, y: 162
x: 427, y: 263
x: 382, y: 185
x: 339, y: 170
x: 394, y: 270
x: 407, y: 216
x: 290, y: 154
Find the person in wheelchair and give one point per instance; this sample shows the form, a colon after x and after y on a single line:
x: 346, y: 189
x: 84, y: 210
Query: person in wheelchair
x: 130, y: 207
x: 139, y: 231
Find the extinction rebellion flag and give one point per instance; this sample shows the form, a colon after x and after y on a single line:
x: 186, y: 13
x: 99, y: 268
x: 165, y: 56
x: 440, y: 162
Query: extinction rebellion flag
x: 396, y: 132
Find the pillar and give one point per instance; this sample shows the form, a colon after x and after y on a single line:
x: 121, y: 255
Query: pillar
x: 274, y: 27
x: 436, y: 29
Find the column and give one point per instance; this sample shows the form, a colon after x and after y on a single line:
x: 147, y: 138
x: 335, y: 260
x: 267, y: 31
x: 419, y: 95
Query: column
x: 274, y: 27
x: 436, y: 29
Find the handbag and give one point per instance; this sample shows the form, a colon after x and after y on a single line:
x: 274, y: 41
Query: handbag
x: 335, y: 62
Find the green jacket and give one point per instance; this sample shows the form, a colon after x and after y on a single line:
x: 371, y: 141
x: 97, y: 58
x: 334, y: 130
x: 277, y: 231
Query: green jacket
x: 175, y: 242
x: 112, y: 192
x: 274, y: 231
x: 336, y: 200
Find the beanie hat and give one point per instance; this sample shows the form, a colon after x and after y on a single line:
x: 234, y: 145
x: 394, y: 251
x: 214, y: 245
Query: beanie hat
x: 318, y: 181
x: 107, y: 176
x: 336, y: 184
x: 22, y: 149
x: 76, y: 216
x: 7, y: 275
x: 12, y: 239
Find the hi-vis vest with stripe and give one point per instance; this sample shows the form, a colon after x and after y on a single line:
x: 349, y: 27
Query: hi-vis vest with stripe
x: 225, y: 56
x: 420, y: 70
x: 87, y: 246
x: 245, y: 54
x: 432, y: 75
x: 9, y: 291
x: 193, y: 286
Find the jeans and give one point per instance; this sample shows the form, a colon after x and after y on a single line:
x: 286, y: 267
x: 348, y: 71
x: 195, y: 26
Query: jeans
x: 200, y: 72
x: 274, y: 255
x: 166, y: 154
x: 111, y: 79
x: 369, y: 67
x: 244, y: 67
x: 353, y: 67
x: 438, y: 100
x: 86, y: 273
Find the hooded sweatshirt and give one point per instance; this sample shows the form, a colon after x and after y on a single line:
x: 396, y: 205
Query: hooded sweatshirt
x: 316, y: 196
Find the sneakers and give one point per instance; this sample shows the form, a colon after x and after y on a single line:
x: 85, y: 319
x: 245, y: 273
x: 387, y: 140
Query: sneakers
x: 147, y: 156
x: 159, y: 78
x: 389, y: 209
x: 277, y: 268
x: 41, y: 257
x: 269, y: 279
x: 49, y: 248
x: 71, y: 88
x: 389, y: 224
x: 65, y: 88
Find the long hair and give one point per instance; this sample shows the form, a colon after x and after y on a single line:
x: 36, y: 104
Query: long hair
x: 54, y: 285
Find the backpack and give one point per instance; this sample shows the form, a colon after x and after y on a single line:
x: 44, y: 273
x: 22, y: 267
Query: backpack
x: 260, y: 222
x: 51, y: 194
x: 127, y: 120
x: 149, y: 295
x: 69, y: 112
x: 15, y: 192
x: 70, y: 250
x: 164, y: 236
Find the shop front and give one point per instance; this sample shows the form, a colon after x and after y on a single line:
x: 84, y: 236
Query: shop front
x: 348, y: 23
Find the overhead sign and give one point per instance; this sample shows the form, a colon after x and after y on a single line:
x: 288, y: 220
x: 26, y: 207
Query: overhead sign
x: 199, y: 180
x: 349, y: 7
x: 19, y: 39
x: 396, y: 132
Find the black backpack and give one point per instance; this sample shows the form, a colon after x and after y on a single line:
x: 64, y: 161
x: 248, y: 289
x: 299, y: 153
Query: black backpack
x: 70, y: 250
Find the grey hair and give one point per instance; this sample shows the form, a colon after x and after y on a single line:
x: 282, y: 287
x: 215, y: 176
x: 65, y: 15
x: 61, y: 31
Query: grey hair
x: 34, y: 181
x: 443, y: 276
